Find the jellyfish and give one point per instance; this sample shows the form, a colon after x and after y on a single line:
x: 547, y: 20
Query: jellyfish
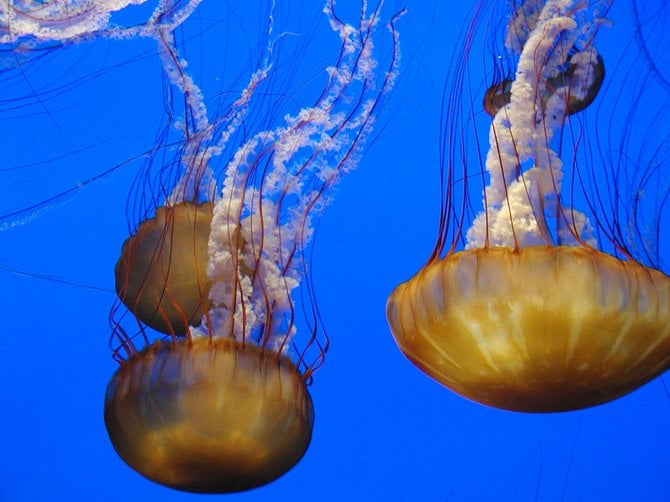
x: 551, y: 298
x: 29, y: 29
x: 211, y: 395
x: 43, y: 57
x: 28, y: 24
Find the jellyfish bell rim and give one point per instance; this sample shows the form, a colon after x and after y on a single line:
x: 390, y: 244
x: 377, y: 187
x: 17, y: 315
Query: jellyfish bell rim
x: 209, y: 415
x: 482, y: 330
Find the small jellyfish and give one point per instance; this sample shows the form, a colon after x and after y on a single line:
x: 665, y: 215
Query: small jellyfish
x: 549, y: 305
x: 499, y: 94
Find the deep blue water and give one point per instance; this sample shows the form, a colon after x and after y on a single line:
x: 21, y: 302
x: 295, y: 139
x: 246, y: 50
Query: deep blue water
x: 383, y: 430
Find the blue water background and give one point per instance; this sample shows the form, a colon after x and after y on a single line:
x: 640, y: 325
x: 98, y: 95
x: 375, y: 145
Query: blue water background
x: 383, y: 430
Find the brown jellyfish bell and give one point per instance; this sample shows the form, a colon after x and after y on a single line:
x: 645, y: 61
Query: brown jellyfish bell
x: 499, y: 94
x: 232, y: 415
x: 161, y: 275
x: 209, y: 416
x: 534, y: 314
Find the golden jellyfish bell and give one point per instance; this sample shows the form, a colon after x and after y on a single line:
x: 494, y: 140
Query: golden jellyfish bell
x: 535, y: 314
x: 209, y: 416
x: 537, y: 329
x: 187, y: 414
x: 161, y: 275
x: 200, y: 414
